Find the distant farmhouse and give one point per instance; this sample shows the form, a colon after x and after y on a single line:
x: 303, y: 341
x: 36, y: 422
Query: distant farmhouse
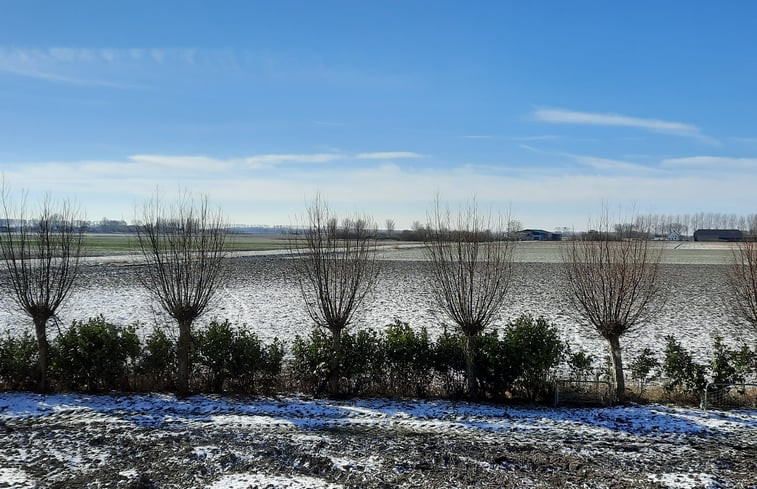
x: 727, y: 235
x: 675, y: 236
x: 538, y: 235
x: 671, y: 236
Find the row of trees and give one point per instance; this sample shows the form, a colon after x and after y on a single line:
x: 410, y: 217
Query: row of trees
x: 614, y: 285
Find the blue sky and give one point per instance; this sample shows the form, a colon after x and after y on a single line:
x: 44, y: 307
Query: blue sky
x: 546, y: 108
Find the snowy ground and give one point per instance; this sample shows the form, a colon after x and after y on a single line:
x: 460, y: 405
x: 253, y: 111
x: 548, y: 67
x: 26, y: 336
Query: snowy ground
x: 263, y: 296
x: 161, y: 441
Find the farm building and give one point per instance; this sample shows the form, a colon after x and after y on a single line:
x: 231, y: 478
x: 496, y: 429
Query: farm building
x: 671, y: 236
x: 539, y: 235
x: 718, y: 235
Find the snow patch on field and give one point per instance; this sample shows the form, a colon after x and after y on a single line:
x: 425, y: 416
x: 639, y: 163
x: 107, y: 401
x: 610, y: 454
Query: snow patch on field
x: 245, y: 481
x: 16, y: 478
x: 684, y: 480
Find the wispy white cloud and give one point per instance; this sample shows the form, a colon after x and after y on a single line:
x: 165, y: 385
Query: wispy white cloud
x: 542, y: 137
x: 270, y: 160
x: 743, y: 140
x: 82, y: 66
x: 98, y: 66
x: 563, y: 116
x: 609, y: 164
x: 718, y: 163
x: 598, y: 163
x: 186, y: 163
x: 389, y: 155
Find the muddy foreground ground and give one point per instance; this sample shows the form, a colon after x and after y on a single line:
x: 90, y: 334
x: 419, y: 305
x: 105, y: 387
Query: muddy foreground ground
x: 162, y: 442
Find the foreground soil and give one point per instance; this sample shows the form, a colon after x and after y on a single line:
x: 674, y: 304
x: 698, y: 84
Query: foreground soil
x: 156, y: 441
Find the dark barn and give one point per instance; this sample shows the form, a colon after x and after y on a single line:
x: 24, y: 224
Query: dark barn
x: 727, y: 235
x: 539, y: 235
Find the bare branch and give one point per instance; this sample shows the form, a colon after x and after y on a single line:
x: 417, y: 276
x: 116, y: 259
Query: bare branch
x: 335, y: 265
x: 471, y: 265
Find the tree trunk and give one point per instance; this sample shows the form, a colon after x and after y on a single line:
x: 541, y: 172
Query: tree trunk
x: 40, y: 327
x: 617, y: 367
x: 182, y: 356
x: 336, y: 362
x: 470, y: 367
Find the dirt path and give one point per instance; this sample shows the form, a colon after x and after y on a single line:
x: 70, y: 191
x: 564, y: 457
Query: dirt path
x: 160, y: 441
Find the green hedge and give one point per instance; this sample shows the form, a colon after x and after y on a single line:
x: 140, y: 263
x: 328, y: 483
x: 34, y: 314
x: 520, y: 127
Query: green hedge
x: 403, y: 362
x: 517, y: 361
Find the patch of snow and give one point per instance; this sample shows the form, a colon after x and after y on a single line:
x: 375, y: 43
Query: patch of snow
x: 129, y: 474
x: 244, y: 481
x: 684, y: 480
x: 205, y: 452
x: 16, y: 478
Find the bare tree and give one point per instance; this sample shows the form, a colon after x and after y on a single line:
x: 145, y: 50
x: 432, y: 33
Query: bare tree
x: 336, y: 268
x: 613, y: 282
x: 184, y: 247
x: 742, y: 281
x: 42, y: 258
x: 471, y: 272
x: 389, y: 227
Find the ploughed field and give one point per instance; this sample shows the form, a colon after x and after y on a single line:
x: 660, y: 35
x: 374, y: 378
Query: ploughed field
x: 263, y: 295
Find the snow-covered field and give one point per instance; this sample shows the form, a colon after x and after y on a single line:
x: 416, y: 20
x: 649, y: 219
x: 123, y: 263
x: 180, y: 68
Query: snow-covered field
x: 263, y: 296
x: 155, y: 440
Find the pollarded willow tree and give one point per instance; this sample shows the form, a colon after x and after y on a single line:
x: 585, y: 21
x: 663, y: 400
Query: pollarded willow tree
x: 42, y: 257
x: 613, y: 282
x: 337, y: 269
x: 742, y: 281
x: 471, y: 272
x: 184, y: 247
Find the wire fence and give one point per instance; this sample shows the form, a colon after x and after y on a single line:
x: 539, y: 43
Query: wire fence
x: 729, y: 396
x: 575, y: 391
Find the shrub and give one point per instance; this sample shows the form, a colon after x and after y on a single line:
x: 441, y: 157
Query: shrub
x: 643, y: 366
x: 397, y: 361
x: 18, y: 362
x: 580, y: 364
x: 312, y: 355
x: 532, y: 349
x: 730, y: 366
x: 253, y: 366
x: 409, y: 358
x: 95, y: 355
x: 494, y: 367
x: 361, y: 366
x: 682, y: 373
x: 213, y: 351
x: 521, y: 359
x: 157, y: 362
x: 449, y: 363
x: 237, y: 360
